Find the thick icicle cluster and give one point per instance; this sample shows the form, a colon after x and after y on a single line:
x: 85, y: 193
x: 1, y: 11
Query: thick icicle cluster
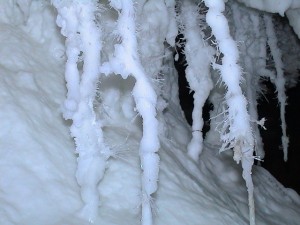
x: 254, y: 32
x: 130, y: 54
x: 83, y: 40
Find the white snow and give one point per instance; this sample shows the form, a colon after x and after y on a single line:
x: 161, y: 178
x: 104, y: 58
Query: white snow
x: 38, y: 162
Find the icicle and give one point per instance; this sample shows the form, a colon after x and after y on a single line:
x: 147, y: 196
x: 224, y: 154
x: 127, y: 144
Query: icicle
x: 198, y: 57
x: 67, y: 19
x: 127, y: 62
x: 279, y: 80
x: 246, y: 26
x: 77, y: 22
x: 239, y: 135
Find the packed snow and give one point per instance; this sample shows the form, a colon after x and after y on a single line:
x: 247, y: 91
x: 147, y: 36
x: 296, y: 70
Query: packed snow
x: 125, y: 154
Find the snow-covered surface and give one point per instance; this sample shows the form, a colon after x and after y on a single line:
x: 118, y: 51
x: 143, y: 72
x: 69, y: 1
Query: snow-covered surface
x: 293, y: 16
x: 38, y: 162
x: 274, y: 6
x: 290, y: 8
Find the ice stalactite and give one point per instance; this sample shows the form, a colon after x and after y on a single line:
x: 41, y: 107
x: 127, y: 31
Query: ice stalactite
x: 77, y: 24
x: 199, y: 57
x: 126, y: 62
x: 279, y: 80
x: 247, y: 30
x: 239, y: 134
x: 152, y: 50
x: 156, y: 41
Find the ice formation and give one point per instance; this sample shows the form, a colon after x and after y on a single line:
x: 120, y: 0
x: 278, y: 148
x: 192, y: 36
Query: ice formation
x: 239, y: 137
x: 199, y: 56
x: 290, y: 8
x: 77, y: 23
x: 279, y: 79
x: 125, y: 154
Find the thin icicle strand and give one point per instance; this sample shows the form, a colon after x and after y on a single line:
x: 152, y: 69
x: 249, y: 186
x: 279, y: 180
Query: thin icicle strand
x: 279, y: 80
x: 127, y: 62
x: 198, y: 57
x: 239, y: 136
x: 87, y: 132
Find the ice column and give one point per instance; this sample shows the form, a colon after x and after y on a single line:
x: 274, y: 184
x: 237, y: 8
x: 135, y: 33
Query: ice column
x: 126, y: 62
x: 279, y: 80
x: 239, y: 135
x: 199, y: 57
x: 83, y: 36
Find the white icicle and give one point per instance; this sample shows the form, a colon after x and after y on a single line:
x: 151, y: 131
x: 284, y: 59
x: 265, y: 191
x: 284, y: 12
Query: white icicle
x: 77, y: 22
x: 279, y: 80
x: 239, y: 135
x: 199, y: 57
x: 126, y: 54
x: 67, y: 19
x: 247, y: 30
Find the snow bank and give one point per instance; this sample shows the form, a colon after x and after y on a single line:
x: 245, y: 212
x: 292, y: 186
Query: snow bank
x: 37, y: 154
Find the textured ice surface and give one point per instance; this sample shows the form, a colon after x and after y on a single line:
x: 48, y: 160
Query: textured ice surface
x: 38, y: 163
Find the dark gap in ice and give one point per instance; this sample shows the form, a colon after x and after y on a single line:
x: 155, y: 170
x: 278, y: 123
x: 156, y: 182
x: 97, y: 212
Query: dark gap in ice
x: 268, y: 107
